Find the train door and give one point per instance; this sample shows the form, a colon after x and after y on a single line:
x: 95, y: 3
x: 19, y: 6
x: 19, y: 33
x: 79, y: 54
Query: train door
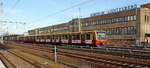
x: 69, y: 38
x: 34, y: 39
x: 44, y: 38
x: 47, y: 39
x: 76, y: 38
x: 50, y: 38
x: 30, y: 39
x: 83, y: 38
x: 147, y: 38
x: 64, y: 38
x: 40, y: 39
x: 53, y: 38
x: 57, y: 39
x: 37, y: 39
x: 89, y: 38
x: 27, y: 39
x: 61, y: 38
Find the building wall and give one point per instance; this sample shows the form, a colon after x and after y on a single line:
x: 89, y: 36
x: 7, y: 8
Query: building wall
x: 144, y: 23
x: 33, y: 32
x: 44, y: 30
x: 61, y: 28
x: 119, y: 25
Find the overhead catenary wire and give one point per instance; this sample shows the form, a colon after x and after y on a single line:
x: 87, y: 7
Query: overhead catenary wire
x: 15, y: 4
x: 63, y: 10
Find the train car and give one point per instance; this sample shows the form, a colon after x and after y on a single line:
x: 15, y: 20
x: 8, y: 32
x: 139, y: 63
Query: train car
x: 65, y: 38
x: 92, y: 38
x: 147, y: 38
x: 47, y: 39
x: 97, y: 38
x: 40, y: 39
x: 76, y: 38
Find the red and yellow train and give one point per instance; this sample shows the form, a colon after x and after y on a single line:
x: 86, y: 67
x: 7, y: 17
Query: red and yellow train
x: 91, y: 38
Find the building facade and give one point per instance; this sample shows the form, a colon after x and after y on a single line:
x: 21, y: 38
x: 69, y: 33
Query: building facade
x: 130, y: 23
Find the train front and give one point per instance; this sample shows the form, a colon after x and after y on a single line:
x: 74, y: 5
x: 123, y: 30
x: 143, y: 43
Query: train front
x: 101, y: 39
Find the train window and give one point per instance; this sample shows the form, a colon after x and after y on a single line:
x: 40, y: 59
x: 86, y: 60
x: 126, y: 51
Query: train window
x: 53, y: 36
x: 76, y: 37
x: 38, y: 37
x: 62, y: 37
x: 73, y: 37
x: 44, y: 37
x: 88, y: 37
x: 101, y: 36
x: 56, y: 37
x: 49, y: 37
x: 126, y: 18
x: 66, y: 37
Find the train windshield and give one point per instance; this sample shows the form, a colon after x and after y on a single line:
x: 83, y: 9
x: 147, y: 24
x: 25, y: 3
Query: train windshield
x: 101, y: 36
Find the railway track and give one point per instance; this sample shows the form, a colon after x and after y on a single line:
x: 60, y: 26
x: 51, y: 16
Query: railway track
x: 18, y: 61
x: 35, y: 64
x: 116, y: 52
x: 14, y: 60
x: 131, y: 52
x: 4, y: 59
x: 7, y: 63
x: 111, y: 62
x: 135, y: 53
x: 128, y: 62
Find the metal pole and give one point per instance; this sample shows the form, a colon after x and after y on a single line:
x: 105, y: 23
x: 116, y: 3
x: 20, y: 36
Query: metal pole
x: 1, y: 39
x: 136, y: 35
x: 1, y: 18
x: 79, y: 21
x: 55, y: 53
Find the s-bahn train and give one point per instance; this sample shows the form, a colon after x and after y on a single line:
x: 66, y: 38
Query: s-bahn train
x: 91, y: 38
x: 147, y: 38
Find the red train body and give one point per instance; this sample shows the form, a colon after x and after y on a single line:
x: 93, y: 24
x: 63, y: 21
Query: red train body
x: 93, y: 38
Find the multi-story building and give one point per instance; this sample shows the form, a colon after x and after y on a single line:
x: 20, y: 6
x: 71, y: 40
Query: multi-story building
x: 60, y: 28
x: 129, y: 23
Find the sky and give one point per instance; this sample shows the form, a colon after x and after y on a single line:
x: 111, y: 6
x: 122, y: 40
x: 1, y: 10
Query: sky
x: 41, y: 13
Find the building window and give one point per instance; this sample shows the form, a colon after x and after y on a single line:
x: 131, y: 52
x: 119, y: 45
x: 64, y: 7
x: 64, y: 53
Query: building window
x: 117, y: 30
x: 96, y: 22
x: 126, y: 18
x: 109, y: 21
x: 134, y: 17
x: 125, y: 30
x: 112, y: 20
x: 129, y: 18
x: 146, y: 18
